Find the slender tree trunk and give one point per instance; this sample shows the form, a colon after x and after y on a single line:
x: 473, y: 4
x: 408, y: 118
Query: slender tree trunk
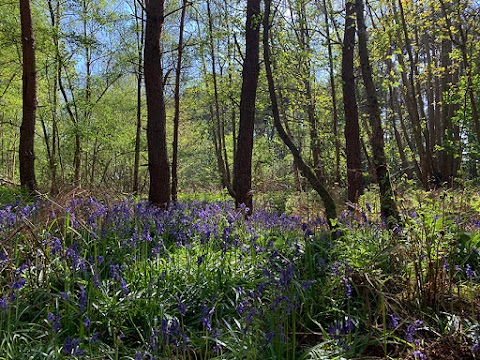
x: 176, y: 117
x: 426, y: 165
x: 315, y: 182
x: 306, y: 65
x: 352, y: 128
x: 158, y: 166
x: 406, y: 136
x: 445, y: 154
x: 218, y: 136
x: 139, y: 16
x: 430, y: 94
x: 55, y: 19
x: 88, y: 79
x: 93, y: 163
x: 333, y: 94
x: 387, y: 200
x: 242, y: 179
x: 398, y: 138
x: 396, y: 112
x: 27, y: 129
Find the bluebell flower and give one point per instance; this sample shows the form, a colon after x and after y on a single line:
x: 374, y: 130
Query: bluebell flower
x: 3, y: 302
x: 82, y: 299
x: 335, y: 330
x: 21, y: 269
x: 182, y: 308
x: 411, y: 330
x: 348, y: 288
x: 417, y: 354
x: 287, y: 274
x: 17, y: 284
x: 364, y: 217
x: 3, y: 258
x: 269, y: 337
x: 349, y: 326
x: 57, y: 247
x: 446, y: 266
x: 96, y: 281
x: 87, y: 322
x: 71, y: 346
x: 469, y: 272
x: 95, y: 337
x: 124, y: 286
x: 336, y: 268
x: 54, y: 321
x: 243, y: 306
x: 393, y: 321
x: 244, y: 208
x: 206, y: 316
x: 307, y: 284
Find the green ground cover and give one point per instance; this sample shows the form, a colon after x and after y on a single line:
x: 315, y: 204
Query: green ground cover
x: 91, y: 279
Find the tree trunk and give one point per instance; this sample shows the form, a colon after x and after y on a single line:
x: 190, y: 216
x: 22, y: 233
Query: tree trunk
x: 315, y: 182
x: 352, y: 128
x: 27, y: 129
x: 140, y: 41
x: 176, y: 117
x: 158, y: 166
x: 218, y: 134
x: 242, y: 183
x: 387, y: 200
x: 54, y: 18
x: 333, y: 94
x: 426, y: 164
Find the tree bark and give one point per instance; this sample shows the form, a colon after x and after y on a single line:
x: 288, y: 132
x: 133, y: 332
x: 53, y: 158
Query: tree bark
x: 242, y: 179
x: 158, y: 166
x: 387, y: 200
x: 352, y: 128
x: 27, y: 129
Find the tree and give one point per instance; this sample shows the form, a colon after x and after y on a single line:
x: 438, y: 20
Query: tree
x: 333, y: 92
x: 158, y: 166
x: 176, y: 118
x: 387, y: 200
x: 139, y: 24
x: 242, y: 173
x: 27, y: 129
x: 352, y: 128
x: 315, y: 181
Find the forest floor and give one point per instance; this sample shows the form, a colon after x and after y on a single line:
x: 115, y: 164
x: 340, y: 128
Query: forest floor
x: 103, y: 277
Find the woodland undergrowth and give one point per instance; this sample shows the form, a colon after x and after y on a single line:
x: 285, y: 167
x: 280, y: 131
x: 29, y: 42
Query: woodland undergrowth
x: 90, y: 278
